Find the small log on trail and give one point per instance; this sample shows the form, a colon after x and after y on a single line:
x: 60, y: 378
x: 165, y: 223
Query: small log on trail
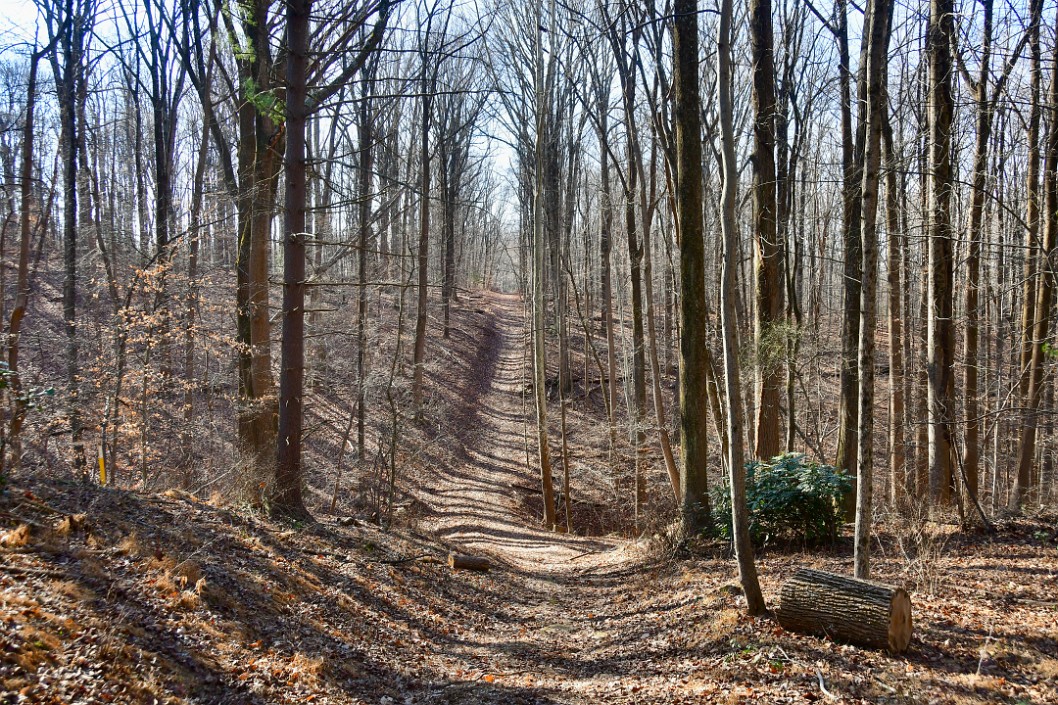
x: 460, y: 562
x: 859, y: 612
x: 531, y: 489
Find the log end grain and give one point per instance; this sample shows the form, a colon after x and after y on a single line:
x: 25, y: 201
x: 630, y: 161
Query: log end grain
x: 900, y: 626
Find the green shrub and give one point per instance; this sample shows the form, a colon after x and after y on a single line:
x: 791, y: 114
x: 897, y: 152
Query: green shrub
x: 788, y: 497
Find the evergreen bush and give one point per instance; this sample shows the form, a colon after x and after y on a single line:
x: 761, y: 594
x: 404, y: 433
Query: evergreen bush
x: 789, y: 497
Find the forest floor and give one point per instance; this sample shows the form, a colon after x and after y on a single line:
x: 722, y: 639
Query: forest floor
x: 109, y: 596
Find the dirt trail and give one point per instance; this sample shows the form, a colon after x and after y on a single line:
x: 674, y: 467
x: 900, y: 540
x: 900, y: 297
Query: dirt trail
x: 558, y: 617
x: 474, y: 503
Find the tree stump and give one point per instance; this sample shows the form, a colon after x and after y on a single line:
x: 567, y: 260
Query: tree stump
x: 459, y: 562
x: 859, y: 612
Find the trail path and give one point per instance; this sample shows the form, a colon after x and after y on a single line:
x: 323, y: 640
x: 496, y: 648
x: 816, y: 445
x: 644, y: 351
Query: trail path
x: 558, y: 619
x: 474, y: 502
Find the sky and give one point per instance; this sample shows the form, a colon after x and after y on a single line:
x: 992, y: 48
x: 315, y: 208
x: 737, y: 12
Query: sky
x: 17, y: 19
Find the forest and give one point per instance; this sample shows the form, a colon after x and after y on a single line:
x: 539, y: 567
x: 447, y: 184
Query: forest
x: 528, y: 351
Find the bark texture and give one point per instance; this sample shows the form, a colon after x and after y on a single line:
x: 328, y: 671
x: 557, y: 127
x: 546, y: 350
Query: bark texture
x: 940, y: 365
x: 694, y: 368
x: 847, y: 609
x: 769, y: 251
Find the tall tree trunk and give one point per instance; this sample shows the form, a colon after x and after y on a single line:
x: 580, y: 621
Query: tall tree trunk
x: 639, y: 390
x: 1044, y: 303
x: 11, y: 458
x: 877, y: 32
x: 626, y: 68
x: 646, y: 205
x: 747, y: 568
x: 848, y: 404
x: 769, y: 278
x: 286, y: 497
x: 192, y: 302
x: 162, y: 96
x: 449, y: 176
x: 259, y: 164
x: 922, y: 334
x: 694, y: 369
x: 419, y: 349
x: 539, y: 245
x: 68, y: 77
x: 367, y: 165
x: 972, y: 454
x: 899, y: 484
x: 1032, y: 245
x: 941, y: 347
x: 605, y: 245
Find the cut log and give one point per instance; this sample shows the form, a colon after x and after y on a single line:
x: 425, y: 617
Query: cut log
x: 859, y: 612
x: 459, y: 562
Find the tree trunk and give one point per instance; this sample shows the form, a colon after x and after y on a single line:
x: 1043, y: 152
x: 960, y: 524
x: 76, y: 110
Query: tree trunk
x: 419, y: 350
x: 605, y: 245
x: 286, y: 496
x: 941, y: 347
x: 899, y: 484
x: 646, y: 205
x: 769, y: 277
x: 877, y: 31
x: 921, y: 475
x: 1032, y: 219
x: 1044, y: 304
x: 192, y: 303
x: 162, y: 96
x: 11, y: 458
x: 693, y: 484
x: 626, y: 70
x: 449, y: 179
x: 367, y: 165
x: 848, y: 404
x: 847, y: 609
x: 71, y: 44
x: 478, y: 564
x: 639, y: 389
x: 539, y: 349
x: 972, y: 454
x: 747, y: 568
x: 259, y: 164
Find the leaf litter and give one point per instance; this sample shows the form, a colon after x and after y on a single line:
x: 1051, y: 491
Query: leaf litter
x: 109, y: 596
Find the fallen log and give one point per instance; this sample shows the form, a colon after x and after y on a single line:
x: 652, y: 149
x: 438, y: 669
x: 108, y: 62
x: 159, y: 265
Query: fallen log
x: 846, y: 609
x: 461, y: 562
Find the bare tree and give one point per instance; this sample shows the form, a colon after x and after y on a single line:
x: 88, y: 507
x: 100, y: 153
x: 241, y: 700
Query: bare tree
x: 941, y: 348
x: 747, y: 569
x: 539, y: 350
x: 11, y: 453
x: 877, y: 33
x: 1044, y: 305
x: 1032, y: 219
x: 694, y: 418
x: 69, y: 24
x: 768, y: 248
x: 286, y: 496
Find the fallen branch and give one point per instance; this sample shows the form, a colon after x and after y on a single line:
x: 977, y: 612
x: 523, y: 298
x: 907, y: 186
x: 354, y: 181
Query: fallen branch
x: 409, y: 559
x: 823, y: 687
x: 39, y: 572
